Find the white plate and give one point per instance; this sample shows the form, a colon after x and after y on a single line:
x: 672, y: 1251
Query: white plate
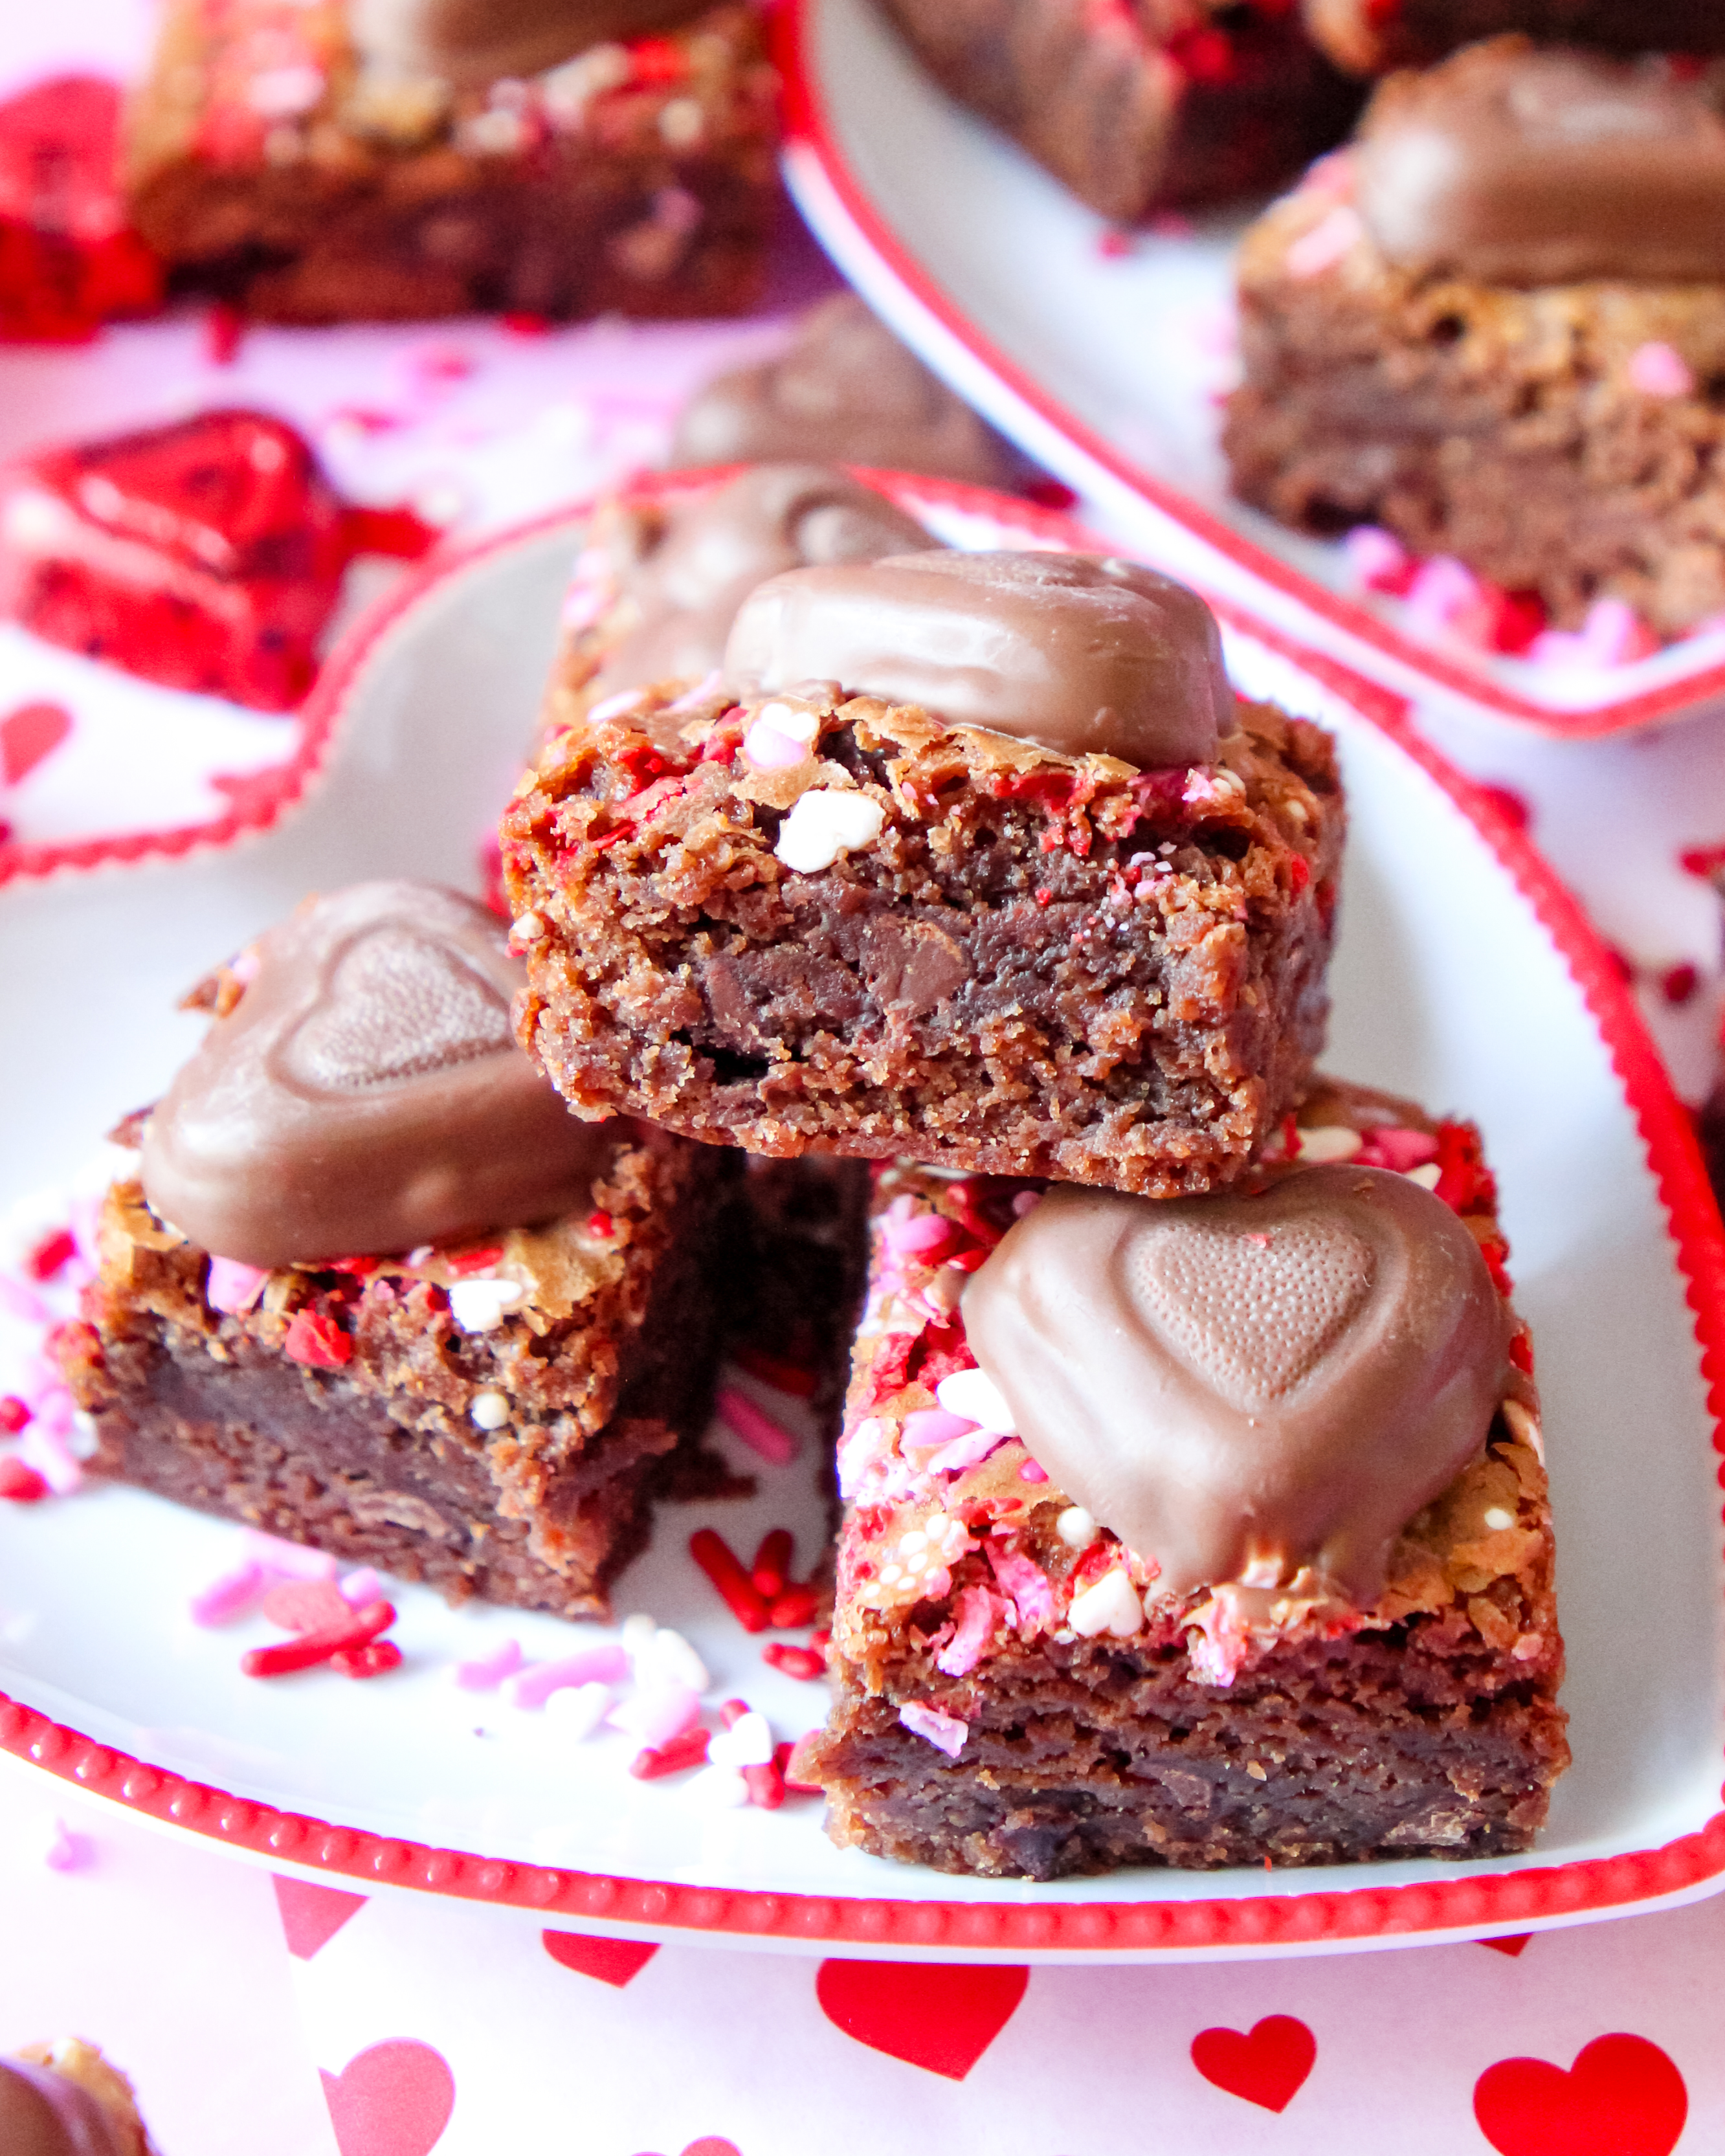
x: 1464, y: 976
x: 1108, y: 366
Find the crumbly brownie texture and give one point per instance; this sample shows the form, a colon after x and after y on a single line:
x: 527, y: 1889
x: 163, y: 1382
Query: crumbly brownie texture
x: 976, y: 1730
x: 1043, y: 964
x: 347, y: 1406
x: 1513, y: 428
x: 1366, y: 36
x: 1138, y: 103
x: 268, y: 164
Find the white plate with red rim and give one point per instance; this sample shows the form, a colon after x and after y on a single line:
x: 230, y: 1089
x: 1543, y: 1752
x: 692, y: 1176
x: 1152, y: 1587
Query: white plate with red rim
x: 1464, y: 976
x: 1104, y: 357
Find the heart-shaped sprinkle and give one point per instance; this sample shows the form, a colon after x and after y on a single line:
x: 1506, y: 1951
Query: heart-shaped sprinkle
x: 1242, y: 1386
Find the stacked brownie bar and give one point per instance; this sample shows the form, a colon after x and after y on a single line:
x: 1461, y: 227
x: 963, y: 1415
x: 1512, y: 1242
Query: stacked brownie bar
x: 1368, y: 37
x: 350, y: 159
x: 1496, y: 326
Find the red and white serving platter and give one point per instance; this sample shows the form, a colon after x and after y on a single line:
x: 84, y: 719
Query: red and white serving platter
x: 1464, y: 975
x: 1106, y: 358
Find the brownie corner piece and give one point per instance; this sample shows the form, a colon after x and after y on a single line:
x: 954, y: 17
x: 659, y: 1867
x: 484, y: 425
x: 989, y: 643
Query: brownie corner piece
x: 368, y: 1407
x: 929, y: 939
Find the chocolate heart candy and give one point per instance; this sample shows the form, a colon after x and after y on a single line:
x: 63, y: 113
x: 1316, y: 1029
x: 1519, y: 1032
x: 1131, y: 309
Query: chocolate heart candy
x: 367, y: 1093
x: 1236, y: 1384
x: 471, y: 42
x: 42, y: 2114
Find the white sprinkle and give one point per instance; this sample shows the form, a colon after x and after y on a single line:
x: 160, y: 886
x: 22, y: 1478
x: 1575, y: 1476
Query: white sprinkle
x: 721, y: 1788
x: 1496, y: 1517
x: 529, y: 928
x: 825, y: 823
x: 747, y: 1742
x: 668, y: 1658
x: 682, y: 123
x: 890, y: 1574
x: 795, y: 721
x: 975, y: 1394
x: 1524, y: 1427
x: 494, y: 134
x: 912, y: 1538
x: 1330, y: 1142
x: 1111, y: 1605
x: 576, y: 1711
x: 638, y: 1629
x: 282, y: 93
x: 1075, y: 1527
x: 477, y: 1305
x: 490, y: 1410
x: 1428, y: 1177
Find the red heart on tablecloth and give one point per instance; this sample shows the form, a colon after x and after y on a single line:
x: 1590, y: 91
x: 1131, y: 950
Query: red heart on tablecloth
x: 312, y: 1915
x: 930, y: 2014
x: 392, y: 2100
x: 1512, y: 1943
x: 612, y: 1961
x: 1266, y: 2067
x: 27, y: 735
x: 710, y: 2144
x: 1622, y: 2098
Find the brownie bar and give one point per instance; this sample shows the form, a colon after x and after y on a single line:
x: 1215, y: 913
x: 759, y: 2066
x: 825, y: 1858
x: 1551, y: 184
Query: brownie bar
x: 1368, y: 37
x: 271, y: 165
x: 981, y: 1726
x: 1135, y: 106
x: 350, y: 1408
x: 1044, y: 964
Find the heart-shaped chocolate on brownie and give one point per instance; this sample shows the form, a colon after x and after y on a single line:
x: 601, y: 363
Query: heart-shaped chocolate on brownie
x: 367, y: 1093
x: 1232, y: 1383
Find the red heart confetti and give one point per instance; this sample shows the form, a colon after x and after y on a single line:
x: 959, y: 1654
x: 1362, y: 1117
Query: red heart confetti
x: 311, y: 1915
x: 1267, y: 2066
x: 392, y: 2100
x: 931, y: 2015
x: 27, y: 735
x: 1622, y: 2098
x: 612, y: 1961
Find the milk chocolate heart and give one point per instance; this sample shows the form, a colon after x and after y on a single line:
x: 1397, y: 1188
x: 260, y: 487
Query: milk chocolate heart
x: 366, y: 1093
x: 1234, y: 1384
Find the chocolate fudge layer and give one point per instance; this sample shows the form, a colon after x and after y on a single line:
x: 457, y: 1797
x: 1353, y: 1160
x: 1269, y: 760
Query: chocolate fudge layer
x: 660, y: 583
x: 64, y: 2099
x: 1496, y: 326
x: 1147, y: 104
x: 985, y: 866
x: 445, y: 1329
x: 1368, y: 37
x: 846, y: 392
x: 1332, y: 1635
x: 325, y: 162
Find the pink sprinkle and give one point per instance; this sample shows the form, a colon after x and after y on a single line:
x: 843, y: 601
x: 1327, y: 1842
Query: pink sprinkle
x: 1171, y: 224
x: 597, y: 1665
x: 17, y: 1301
x: 43, y: 1447
x: 1614, y: 634
x: 613, y: 707
x: 582, y: 605
x: 654, y: 1718
x: 363, y: 1587
x: 1445, y: 597
x: 979, y: 1613
x: 1031, y: 1472
x: 67, y: 1851
x: 229, y: 1596
x: 969, y: 1451
x: 756, y: 1427
x: 769, y: 750
x: 912, y: 1237
x: 1114, y: 245
x: 288, y: 1559
x: 931, y: 1426
x: 1658, y: 370
x: 1400, y: 1150
x: 489, y: 1670
x: 1028, y: 1584
x: 232, y: 1288
x: 1027, y: 1201
x: 1325, y: 245
x: 945, y: 1732
x: 1378, y: 559
x: 703, y: 691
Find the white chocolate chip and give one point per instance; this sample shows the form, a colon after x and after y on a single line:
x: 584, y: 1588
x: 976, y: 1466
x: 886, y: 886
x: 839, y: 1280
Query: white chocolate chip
x: 1329, y: 1142
x: 477, y: 1305
x: 528, y: 929
x: 1524, y: 1428
x: 1111, y: 1606
x: 1075, y: 1527
x: 1497, y: 1517
x: 489, y: 1409
x: 975, y: 1396
x: 824, y: 824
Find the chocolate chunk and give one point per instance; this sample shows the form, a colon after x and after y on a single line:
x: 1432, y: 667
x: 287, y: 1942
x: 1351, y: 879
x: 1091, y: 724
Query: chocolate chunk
x: 472, y: 42
x: 42, y: 2114
x: 366, y: 1094
x: 686, y: 585
x: 1518, y: 165
x: 1242, y: 1386
x: 847, y: 392
x: 1082, y: 653
x: 913, y: 965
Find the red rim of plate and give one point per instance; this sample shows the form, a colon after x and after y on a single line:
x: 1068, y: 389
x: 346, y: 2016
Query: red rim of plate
x: 1294, y: 1920
x: 808, y: 127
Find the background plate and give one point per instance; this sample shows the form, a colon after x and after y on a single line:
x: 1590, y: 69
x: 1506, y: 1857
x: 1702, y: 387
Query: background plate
x: 1464, y: 976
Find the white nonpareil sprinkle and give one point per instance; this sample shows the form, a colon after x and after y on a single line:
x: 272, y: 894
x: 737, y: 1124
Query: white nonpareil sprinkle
x: 1111, y: 1605
x: 1330, y: 1142
x: 1497, y: 1517
x: 973, y: 1394
x: 1428, y: 1177
x: 747, y: 1742
x: 1075, y: 1527
x: 477, y: 1305
x: 824, y: 824
x: 490, y: 1410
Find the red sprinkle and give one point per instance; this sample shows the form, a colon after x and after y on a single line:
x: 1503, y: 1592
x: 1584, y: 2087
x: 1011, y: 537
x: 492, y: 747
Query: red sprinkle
x: 223, y: 332
x: 782, y: 1760
x: 1511, y: 806
x: 526, y: 325
x: 724, y: 1568
x: 21, y: 1485
x: 1702, y: 860
x: 822, y: 1639
x: 318, y: 1341
x: 376, y: 1660
x: 772, y: 1566
x: 464, y: 1262
x: 14, y: 1414
x: 688, y: 1750
x: 1679, y: 983
x: 1044, y: 896
x: 1520, y: 1353
x: 600, y: 1227
x: 795, y: 1378
x: 310, y: 1648
x: 801, y: 1662
x: 793, y: 1608
x: 1114, y: 245
x: 766, y: 1786
x: 49, y: 1254
x: 396, y: 533
x: 732, y: 1711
